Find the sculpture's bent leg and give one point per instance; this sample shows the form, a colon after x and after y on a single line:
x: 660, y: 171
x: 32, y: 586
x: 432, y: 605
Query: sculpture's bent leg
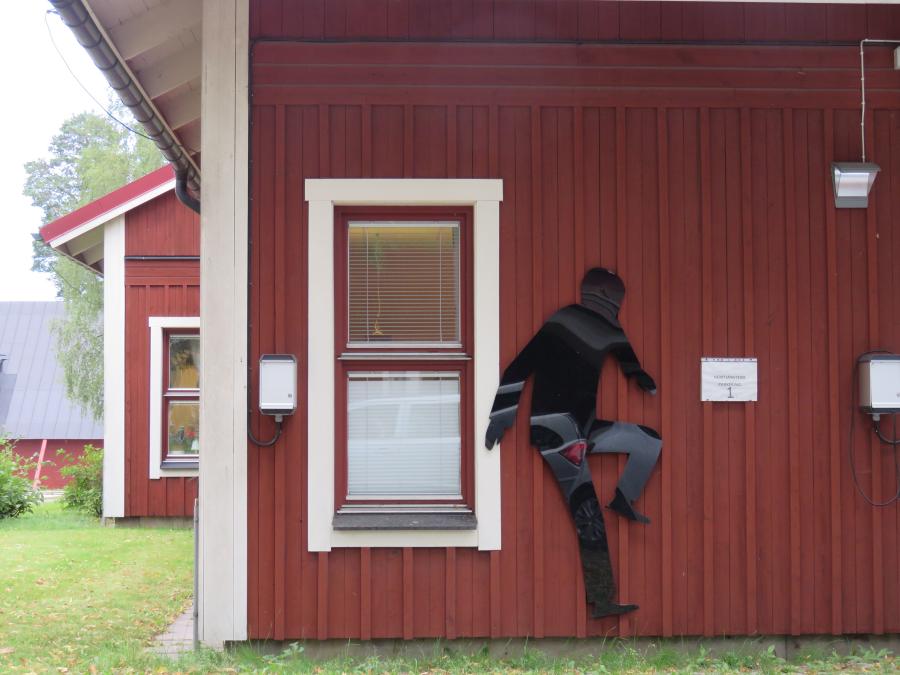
x: 643, y: 445
x: 563, y: 447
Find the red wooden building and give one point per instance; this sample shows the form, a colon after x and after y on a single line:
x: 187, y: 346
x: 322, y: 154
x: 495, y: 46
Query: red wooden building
x: 146, y: 245
x: 688, y: 146
x: 35, y: 413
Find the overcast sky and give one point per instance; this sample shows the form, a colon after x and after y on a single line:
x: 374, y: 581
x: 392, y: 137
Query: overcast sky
x: 39, y: 95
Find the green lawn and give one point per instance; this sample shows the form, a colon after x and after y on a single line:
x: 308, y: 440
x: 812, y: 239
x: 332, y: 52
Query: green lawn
x: 79, y: 598
x: 71, y: 590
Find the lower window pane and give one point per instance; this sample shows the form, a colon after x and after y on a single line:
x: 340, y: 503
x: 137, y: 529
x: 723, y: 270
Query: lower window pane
x: 184, y: 428
x: 403, y: 435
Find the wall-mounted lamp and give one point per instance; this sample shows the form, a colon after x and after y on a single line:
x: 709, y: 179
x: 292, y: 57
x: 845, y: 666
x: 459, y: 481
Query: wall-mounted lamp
x: 852, y: 182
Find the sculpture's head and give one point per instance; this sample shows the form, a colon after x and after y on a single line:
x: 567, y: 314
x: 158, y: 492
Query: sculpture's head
x: 603, y: 292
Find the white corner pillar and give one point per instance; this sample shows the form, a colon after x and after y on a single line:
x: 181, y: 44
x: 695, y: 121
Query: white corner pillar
x: 114, y: 368
x: 223, y: 323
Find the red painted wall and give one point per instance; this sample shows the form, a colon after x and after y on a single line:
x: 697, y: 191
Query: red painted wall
x: 699, y: 173
x: 51, y: 478
x: 161, y: 227
x: 568, y: 20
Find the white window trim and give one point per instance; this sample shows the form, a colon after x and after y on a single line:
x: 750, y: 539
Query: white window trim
x: 484, y: 195
x: 158, y: 326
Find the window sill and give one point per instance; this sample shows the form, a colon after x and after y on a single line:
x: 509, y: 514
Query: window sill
x: 179, y: 465
x: 405, y: 521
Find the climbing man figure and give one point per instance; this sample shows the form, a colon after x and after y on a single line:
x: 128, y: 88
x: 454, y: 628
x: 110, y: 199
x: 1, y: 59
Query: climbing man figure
x: 566, y: 357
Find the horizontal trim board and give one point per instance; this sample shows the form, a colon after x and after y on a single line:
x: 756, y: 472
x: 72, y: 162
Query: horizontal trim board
x: 661, y: 77
x: 628, y: 97
x: 369, y: 54
x: 163, y: 258
x: 403, y: 356
x: 173, y: 281
x: 174, y: 322
x: 406, y: 191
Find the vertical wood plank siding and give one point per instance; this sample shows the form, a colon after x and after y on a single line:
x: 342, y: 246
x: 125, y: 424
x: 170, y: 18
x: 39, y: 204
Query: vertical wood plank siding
x: 162, y: 226
x: 700, y: 173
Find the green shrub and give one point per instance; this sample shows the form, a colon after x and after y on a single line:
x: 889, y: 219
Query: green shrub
x: 84, y: 492
x: 16, y: 494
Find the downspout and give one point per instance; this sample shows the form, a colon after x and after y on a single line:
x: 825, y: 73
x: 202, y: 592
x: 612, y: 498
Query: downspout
x: 181, y: 191
x: 80, y: 21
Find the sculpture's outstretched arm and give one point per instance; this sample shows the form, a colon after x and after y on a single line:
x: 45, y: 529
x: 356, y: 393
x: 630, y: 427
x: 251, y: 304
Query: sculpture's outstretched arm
x: 506, y: 402
x: 631, y: 367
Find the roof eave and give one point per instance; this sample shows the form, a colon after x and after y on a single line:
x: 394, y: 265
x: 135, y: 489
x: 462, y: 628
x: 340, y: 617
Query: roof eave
x: 94, y: 36
x: 79, y: 235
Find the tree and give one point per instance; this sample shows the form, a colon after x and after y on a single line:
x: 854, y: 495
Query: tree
x: 89, y: 157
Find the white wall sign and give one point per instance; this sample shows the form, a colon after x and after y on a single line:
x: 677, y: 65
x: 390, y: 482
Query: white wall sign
x: 729, y: 380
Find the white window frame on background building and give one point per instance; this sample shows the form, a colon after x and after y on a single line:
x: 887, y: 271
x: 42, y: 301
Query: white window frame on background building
x: 159, y: 325
x: 323, y: 195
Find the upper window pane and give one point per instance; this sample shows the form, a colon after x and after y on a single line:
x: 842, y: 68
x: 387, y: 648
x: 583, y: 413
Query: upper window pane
x: 403, y: 280
x: 184, y: 362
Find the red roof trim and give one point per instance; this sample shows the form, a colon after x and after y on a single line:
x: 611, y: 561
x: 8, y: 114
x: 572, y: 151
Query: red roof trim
x: 107, y: 203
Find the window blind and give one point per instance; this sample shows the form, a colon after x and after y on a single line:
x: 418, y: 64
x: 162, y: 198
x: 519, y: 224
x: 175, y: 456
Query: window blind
x: 403, y: 281
x: 403, y: 435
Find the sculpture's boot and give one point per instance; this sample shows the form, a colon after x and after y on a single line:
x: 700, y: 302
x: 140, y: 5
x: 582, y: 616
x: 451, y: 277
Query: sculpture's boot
x: 643, y: 446
x: 611, y: 610
x: 622, y: 505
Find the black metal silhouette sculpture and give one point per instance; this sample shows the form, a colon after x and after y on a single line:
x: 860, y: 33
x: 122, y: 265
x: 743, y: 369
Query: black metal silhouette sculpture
x: 566, y: 357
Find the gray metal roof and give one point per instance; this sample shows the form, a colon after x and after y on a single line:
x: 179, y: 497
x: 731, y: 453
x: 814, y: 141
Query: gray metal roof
x: 33, y: 401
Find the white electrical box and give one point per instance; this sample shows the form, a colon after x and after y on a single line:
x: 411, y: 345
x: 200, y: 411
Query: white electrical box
x: 277, y: 384
x: 879, y: 383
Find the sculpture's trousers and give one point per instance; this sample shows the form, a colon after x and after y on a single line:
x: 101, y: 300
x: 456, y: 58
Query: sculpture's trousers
x: 564, y: 447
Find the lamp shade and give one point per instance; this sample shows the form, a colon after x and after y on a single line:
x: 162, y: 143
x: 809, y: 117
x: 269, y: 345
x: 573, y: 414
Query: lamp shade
x: 852, y: 182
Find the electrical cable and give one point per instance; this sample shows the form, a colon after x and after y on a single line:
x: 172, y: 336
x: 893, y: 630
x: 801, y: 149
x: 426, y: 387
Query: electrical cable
x: 270, y: 442
x: 883, y: 439
x: 851, y: 453
x: 81, y: 84
x: 88, y: 92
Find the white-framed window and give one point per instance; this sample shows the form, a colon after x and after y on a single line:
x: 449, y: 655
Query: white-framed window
x: 419, y: 349
x: 175, y: 363
x: 403, y: 283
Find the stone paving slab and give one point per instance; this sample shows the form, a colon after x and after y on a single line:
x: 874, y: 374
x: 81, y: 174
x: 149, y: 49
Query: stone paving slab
x: 178, y: 638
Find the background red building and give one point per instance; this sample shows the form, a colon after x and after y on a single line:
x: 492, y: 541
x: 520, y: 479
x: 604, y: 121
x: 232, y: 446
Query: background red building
x: 34, y: 410
x: 146, y: 245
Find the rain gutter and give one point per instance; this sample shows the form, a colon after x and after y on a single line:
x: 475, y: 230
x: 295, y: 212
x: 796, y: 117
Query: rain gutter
x: 103, y: 53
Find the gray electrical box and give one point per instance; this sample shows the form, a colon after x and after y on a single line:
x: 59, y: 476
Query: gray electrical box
x: 879, y: 383
x: 277, y: 384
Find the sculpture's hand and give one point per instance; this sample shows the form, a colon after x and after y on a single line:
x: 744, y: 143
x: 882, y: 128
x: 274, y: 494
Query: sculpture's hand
x: 646, y: 383
x: 498, y: 425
